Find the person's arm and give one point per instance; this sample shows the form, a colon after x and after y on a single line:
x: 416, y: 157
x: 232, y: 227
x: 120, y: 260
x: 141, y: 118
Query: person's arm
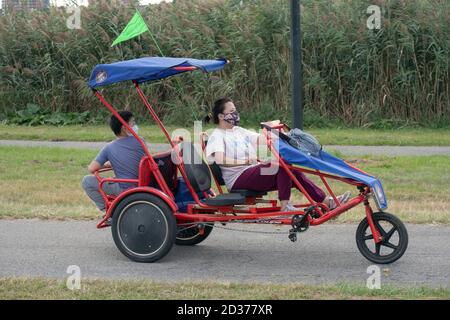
x: 257, y: 139
x: 224, y: 161
x: 101, y: 161
x: 95, y: 166
x: 261, y: 140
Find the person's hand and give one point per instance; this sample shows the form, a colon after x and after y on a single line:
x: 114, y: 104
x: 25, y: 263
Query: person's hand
x: 252, y: 160
x: 107, y: 165
x: 275, y: 122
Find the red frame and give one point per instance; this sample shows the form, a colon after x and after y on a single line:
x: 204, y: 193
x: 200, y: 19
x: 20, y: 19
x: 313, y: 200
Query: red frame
x: 201, y: 212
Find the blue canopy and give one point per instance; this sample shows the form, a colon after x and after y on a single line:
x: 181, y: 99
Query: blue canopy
x: 325, y: 162
x: 148, y: 69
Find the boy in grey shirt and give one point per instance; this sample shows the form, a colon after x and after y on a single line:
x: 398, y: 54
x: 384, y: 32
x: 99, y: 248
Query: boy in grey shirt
x: 122, y: 154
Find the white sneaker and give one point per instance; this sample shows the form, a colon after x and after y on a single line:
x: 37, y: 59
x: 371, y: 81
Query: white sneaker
x: 343, y: 198
x: 289, y: 207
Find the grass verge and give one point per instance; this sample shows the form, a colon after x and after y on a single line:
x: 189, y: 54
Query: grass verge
x: 45, y: 183
x: 46, y: 289
x: 327, y: 136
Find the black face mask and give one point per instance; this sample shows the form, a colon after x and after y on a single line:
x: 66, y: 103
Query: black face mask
x: 232, y: 118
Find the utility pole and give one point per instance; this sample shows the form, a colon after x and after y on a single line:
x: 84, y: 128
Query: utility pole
x: 296, y: 66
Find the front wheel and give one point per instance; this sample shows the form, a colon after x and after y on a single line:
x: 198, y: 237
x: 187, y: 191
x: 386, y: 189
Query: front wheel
x: 394, y: 238
x: 143, y: 227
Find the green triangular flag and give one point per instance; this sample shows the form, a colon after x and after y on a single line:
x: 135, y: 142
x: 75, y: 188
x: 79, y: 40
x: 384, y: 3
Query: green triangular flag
x: 135, y: 27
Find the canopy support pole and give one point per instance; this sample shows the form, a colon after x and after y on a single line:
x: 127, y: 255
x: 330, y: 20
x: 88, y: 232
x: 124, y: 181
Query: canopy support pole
x: 153, y: 113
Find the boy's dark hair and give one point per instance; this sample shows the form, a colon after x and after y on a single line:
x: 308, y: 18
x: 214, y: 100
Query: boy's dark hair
x: 219, y: 106
x: 116, y: 125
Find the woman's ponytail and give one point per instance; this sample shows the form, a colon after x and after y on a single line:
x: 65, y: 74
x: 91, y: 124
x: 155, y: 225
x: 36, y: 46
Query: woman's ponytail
x: 208, y: 117
x: 218, y: 108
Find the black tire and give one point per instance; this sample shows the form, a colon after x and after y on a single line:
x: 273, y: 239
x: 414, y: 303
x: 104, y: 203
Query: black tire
x: 143, y: 227
x: 188, y: 235
x: 365, y: 241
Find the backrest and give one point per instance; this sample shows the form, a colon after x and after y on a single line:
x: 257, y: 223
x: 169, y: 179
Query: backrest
x: 165, y: 166
x: 144, y: 172
x: 216, y: 171
x: 196, y: 169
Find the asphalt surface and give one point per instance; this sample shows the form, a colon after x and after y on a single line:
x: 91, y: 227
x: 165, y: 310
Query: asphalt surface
x: 324, y: 254
x: 157, y: 147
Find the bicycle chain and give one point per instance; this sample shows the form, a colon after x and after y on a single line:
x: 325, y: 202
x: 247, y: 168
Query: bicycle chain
x: 231, y: 229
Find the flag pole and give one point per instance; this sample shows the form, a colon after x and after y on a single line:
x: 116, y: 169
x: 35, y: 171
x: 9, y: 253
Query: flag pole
x: 151, y: 35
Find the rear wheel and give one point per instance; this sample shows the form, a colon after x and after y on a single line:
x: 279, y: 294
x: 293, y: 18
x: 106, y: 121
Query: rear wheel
x: 394, y: 238
x: 190, y: 234
x: 143, y: 227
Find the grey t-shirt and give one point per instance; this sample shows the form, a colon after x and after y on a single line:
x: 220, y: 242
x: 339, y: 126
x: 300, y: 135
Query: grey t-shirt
x: 124, y: 155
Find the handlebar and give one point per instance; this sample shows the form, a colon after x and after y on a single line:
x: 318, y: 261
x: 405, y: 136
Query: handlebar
x: 104, y: 169
x: 275, y: 124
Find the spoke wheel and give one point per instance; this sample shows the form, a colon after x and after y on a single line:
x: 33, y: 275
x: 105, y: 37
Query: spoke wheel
x: 394, y: 238
x: 189, y: 234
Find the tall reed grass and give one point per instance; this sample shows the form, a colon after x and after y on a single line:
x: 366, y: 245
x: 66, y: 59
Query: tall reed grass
x: 389, y: 77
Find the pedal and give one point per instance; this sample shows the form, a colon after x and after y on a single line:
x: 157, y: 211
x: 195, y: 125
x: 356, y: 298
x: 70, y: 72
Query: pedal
x: 312, y: 212
x: 300, y: 223
x: 292, y: 235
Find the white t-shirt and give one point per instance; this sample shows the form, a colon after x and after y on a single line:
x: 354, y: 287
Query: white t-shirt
x: 237, y: 143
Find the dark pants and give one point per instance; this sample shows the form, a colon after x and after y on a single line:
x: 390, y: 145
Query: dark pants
x: 254, y: 179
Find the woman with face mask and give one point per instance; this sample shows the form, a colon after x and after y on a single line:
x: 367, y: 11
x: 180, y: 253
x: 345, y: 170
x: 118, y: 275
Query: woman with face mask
x: 233, y: 148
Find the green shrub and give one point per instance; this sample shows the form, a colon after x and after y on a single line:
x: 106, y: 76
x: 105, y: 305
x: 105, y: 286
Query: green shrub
x: 398, y: 75
x: 33, y: 115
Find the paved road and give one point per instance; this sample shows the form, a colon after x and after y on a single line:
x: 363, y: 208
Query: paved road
x: 325, y: 254
x: 348, y: 150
